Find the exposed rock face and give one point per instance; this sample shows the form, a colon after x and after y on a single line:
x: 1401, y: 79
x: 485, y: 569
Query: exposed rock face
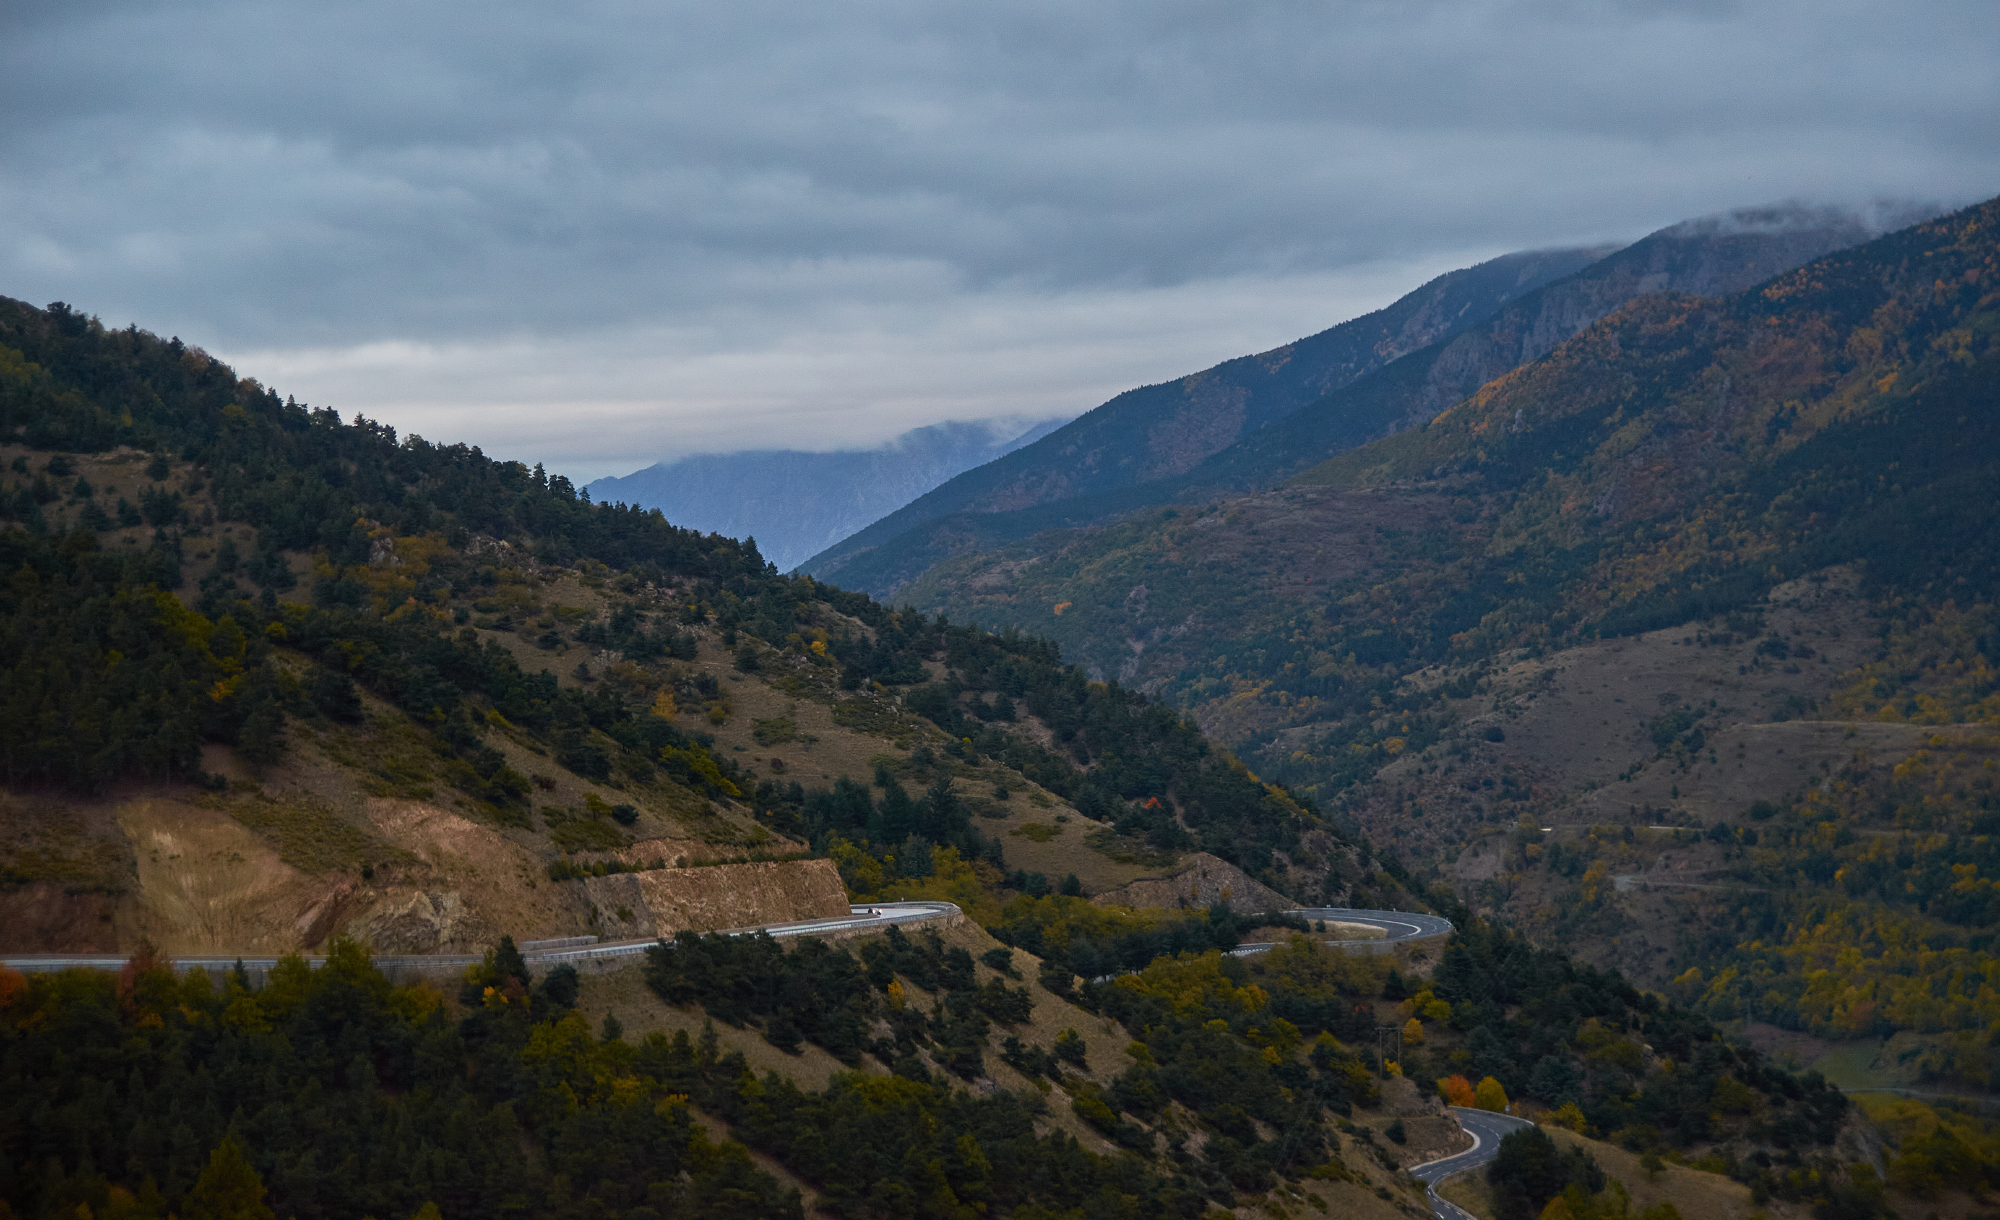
x: 209, y: 884
x: 663, y: 901
x: 658, y: 853
x: 412, y: 921
x: 1204, y: 880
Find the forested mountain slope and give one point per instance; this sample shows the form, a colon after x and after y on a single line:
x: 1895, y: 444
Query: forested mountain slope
x: 266, y: 675
x: 1710, y: 256
x: 363, y: 669
x: 1157, y: 431
x: 796, y: 503
x: 880, y: 1078
x: 1713, y: 256
x: 1675, y: 462
x: 1676, y: 648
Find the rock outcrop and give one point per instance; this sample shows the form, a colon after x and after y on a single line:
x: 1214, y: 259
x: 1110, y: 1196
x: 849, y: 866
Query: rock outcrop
x: 1203, y: 880
x: 662, y: 901
x: 408, y: 920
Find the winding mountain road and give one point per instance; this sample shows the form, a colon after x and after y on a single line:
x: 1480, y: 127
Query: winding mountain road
x: 1486, y: 1129
x: 550, y: 952
x: 1397, y: 927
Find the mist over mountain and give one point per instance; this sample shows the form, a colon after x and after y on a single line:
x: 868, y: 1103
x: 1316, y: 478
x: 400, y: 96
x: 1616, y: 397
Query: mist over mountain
x: 1675, y: 646
x: 1707, y: 590
x: 1163, y: 430
x: 1706, y: 256
x: 1634, y: 420
x: 795, y: 502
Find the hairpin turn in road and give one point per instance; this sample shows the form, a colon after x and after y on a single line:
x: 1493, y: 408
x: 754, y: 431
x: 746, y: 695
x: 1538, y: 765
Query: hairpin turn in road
x: 1397, y: 926
x: 1486, y: 1129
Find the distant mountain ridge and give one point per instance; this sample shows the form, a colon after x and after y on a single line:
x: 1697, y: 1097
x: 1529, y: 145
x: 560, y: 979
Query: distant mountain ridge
x: 1722, y: 563
x: 796, y: 502
x: 1672, y: 462
x: 1708, y: 256
x: 1163, y: 430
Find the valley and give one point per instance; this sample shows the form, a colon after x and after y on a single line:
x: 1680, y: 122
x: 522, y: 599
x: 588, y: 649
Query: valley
x: 1656, y: 657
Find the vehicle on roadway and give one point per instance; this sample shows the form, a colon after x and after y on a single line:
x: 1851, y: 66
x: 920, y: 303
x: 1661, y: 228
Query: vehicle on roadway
x: 1397, y: 926
x: 568, y: 949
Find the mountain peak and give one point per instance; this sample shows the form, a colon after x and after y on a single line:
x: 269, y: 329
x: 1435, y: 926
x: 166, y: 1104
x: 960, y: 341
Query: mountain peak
x: 1796, y: 216
x: 795, y: 502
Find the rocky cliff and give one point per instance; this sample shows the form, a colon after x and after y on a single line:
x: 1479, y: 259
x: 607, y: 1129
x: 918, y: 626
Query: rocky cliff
x: 662, y: 901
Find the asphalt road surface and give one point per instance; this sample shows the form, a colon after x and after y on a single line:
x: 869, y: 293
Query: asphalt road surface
x: 568, y: 949
x: 1396, y: 926
x: 1486, y: 1129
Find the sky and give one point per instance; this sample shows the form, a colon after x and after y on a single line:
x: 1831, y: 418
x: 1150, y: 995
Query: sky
x: 598, y: 234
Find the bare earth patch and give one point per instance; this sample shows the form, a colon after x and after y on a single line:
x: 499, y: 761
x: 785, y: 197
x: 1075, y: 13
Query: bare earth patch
x: 208, y: 884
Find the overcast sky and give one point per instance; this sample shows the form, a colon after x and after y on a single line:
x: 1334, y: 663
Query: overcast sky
x: 595, y: 234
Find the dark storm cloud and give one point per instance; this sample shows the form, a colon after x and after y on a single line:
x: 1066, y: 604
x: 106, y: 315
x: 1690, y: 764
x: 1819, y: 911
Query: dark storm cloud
x: 271, y: 176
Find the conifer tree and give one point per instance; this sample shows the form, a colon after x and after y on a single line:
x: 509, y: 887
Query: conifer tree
x: 228, y: 1189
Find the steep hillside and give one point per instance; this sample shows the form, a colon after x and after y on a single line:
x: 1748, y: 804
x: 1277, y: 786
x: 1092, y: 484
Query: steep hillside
x: 1741, y: 862
x: 1675, y: 648
x: 796, y: 503
x: 1158, y: 431
x: 1718, y: 255
x: 1674, y: 463
x: 1714, y: 256
x: 271, y: 677
x: 938, y: 1073
x: 274, y: 680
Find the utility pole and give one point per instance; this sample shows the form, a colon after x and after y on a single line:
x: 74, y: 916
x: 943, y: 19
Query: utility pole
x: 1383, y: 1033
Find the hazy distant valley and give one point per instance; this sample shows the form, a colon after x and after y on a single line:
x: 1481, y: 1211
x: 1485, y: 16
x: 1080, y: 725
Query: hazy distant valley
x: 796, y: 503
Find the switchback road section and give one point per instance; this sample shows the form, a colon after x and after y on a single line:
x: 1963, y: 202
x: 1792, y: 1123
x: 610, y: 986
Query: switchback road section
x: 574, y: 949
x: 1486, y: 1129
x: 1397, y: 927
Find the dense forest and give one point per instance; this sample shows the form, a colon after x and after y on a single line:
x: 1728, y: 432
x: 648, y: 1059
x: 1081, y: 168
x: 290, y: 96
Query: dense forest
x: 330, y: 1091
x: 100, y: 656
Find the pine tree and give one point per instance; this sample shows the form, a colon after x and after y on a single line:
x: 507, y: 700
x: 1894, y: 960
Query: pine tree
x: 228, y: 1189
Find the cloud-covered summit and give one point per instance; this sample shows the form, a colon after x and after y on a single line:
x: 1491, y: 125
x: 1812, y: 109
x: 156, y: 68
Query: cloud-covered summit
x: 608, y: 225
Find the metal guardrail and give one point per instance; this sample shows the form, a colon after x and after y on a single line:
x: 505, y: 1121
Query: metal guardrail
x: 559, y: 942
x: 1413, y: 927
x: 570, y: 949
x: 587, y: 948
x: 1399, y: 927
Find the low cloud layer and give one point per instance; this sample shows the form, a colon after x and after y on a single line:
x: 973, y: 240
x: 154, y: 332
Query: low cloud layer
x: 597, y: 234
